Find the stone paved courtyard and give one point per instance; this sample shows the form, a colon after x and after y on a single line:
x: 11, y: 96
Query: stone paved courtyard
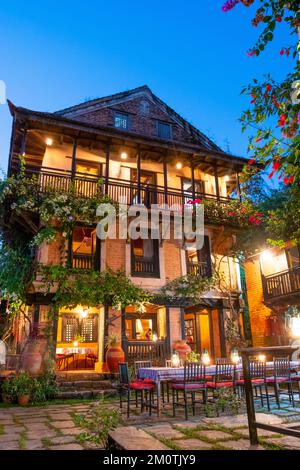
x: 52, y: 427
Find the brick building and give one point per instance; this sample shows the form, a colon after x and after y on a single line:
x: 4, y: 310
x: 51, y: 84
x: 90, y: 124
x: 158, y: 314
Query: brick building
x: 147, y: 153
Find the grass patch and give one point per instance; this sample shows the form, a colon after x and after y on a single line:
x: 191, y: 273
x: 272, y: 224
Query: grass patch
x: 46, y: 442
x: 168, y: 442
x: 269, y: 445
x: 22, y: 440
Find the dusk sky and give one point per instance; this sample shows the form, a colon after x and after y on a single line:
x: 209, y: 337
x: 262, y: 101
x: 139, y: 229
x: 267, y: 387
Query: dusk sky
x: 191, y: 54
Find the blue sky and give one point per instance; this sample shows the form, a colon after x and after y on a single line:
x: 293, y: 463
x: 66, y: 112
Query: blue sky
x: 191, y: 54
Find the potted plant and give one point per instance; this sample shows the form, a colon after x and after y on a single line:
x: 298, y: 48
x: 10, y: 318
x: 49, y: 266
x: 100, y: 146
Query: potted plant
x: 23, y: 383
x: 114, y: 353
x: 9, y: 391
x: 193, y: 357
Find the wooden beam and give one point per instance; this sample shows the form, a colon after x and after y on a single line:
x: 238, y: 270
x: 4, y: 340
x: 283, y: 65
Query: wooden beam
x: 217, y: 183
x: 107, y: 156
x: 238, y: 187
x: 138, y: 176
x: 165, y: 179
x: 193, y: 179
x: 73, y: 168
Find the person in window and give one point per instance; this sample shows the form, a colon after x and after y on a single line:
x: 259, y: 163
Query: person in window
x: 148, y: 335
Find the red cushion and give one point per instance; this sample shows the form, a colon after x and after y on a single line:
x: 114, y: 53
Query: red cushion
x: 219, y: 384
x: 191, y: 386
x: 149, y: 381
x: 276, y: 379
x: 295, y: 377
x: 139, y: 385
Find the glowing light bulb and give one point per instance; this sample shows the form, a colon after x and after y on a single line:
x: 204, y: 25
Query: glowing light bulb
x: 124, y: 155
x: 49, y: 141
x: 178, y: 165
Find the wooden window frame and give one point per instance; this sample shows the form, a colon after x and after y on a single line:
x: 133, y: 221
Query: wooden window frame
x: 163, y: 123
x: 156, y: 273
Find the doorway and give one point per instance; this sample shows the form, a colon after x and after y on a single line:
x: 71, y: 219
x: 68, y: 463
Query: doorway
x: 203, y: 331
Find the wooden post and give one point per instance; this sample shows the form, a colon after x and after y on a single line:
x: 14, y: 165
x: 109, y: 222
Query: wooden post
x: 193, y: 179
x: 73, y: 167
x: 182, y: 322
x: 23, y: 143
x: 217, y: 182
x: 249, y: 400
x: 107, y: 156
x: 139, y: 177
x: 123, y: 333
x: 11, y: 148
x: 238, y: 187
x: 168, y: 342
x: 165, y: 179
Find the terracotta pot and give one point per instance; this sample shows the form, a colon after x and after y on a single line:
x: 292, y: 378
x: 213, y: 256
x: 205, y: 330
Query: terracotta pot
x: 182, y: 349
x: 23, y: 400
x: 114, y: 355
x: 31, y: 360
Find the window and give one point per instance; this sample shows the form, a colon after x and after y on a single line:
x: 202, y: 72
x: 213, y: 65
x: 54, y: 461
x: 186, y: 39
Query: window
x: 199, y: 261
x: 144, y: 258
x: 293, y: 256
x: 164, y: 130
x: 86, y: 327
x: 121, y: 121
x: 85, y: 248
x: 140, y: 328
x: 187, y: 187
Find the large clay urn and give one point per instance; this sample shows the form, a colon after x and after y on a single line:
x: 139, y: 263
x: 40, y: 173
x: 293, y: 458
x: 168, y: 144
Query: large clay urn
x: 114, y: 355
x: 182, y: 348
x: 31, y: 359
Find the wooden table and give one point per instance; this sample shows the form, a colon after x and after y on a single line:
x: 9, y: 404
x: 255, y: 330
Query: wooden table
x: 163, y: 374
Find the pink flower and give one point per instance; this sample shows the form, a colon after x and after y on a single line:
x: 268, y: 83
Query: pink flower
x: 281, y: 51
x: 232, y: 214
x: 276, y: 165
x: 251, y: 161
x: 229, y: 4
x: 279, y: 19
x: 271, y: 175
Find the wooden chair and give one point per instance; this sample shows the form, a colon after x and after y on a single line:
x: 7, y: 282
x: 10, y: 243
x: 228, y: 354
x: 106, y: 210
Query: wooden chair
x: 282, y: 375
x: 193, y: 382
x: 258, y: 376
x: 224, y: 376
x: 138, y: 386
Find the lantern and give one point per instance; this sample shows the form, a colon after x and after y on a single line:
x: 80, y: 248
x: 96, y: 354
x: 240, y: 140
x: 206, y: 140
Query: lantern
x: 235, y: 356
x: 175, y: 359
x: 205, y: 357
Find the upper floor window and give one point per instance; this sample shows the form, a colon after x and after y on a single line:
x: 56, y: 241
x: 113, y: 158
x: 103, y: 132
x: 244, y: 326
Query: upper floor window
x: 164, y: 130
x: 85, y: 248
x: 144, y: 258
x: 199, y: 261
x: 121, y: 121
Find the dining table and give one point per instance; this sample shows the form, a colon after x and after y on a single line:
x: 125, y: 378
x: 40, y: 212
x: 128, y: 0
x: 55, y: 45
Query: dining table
x: 164, y: 374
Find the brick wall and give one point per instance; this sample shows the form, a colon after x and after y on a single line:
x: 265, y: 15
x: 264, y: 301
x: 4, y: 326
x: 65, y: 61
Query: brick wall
x: 141, y: 121
x: 172, y: 257
x: 115, y: 254
x: 175, y: 325
x: 258, y: 311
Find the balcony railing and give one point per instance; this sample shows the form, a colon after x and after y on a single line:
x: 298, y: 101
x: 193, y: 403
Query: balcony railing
x: 82, y: 261
x: 281, y: 284
x: 145, y: 350
x: 144, y: 267
x: 51, y: 180
x: 197, y: 269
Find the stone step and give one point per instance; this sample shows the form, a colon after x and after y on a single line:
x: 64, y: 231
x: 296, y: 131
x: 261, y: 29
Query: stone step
x: 90, y: 393
x: 131, y: 438
x: 80, y: 376
x: 84, y: 385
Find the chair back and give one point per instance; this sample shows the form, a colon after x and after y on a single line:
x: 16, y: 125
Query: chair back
x: 282, y: 367
x: 141, y: 365
x: 225, y: 372
x: 222, y: 360
x: 123, y: 373
x: 257, y: 369
x: 168, y: 363
x: 194, y: 372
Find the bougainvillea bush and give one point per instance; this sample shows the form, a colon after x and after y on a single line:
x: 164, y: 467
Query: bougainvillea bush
x: 273, y: 116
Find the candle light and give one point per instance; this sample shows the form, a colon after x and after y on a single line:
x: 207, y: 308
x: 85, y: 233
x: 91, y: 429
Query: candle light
x: 205, y: 357
x: 261, y: 357
x: 175, y: 359
x: 235, y: 356
x: 154, y: 337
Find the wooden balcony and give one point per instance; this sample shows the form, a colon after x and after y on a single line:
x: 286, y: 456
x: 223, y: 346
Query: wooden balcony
x: 83, y: 261
x: 278, y: 286
x: 51, y: 180
x: 198, y: 269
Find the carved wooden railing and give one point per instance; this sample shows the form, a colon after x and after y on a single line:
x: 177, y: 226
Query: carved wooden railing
x: 196, y: 268
x: 82, y: 261
x: 51, y: 180
x: 281, y: 284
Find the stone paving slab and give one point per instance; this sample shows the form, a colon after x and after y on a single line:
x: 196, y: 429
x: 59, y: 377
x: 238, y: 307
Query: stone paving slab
x: 131, y: 438
x: 62, y: 424
x: 241, y: 444
x: 164, y: 430
x: 214, y: 435
x: 67, y: 447
x: 287, y: 442
x: 193, y: 444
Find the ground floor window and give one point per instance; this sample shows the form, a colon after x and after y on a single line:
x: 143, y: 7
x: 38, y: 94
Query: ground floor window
x: 141, y: 328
